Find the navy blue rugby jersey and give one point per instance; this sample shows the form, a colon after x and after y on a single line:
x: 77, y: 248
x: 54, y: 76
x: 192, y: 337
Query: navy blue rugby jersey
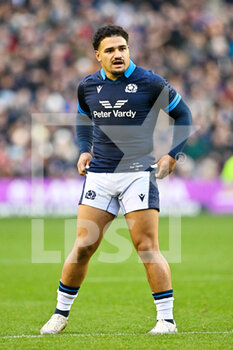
x: 123, y: 113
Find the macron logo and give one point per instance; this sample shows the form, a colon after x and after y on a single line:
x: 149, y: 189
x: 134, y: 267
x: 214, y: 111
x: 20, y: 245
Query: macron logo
x: 118, y: 104
x: 141, y: 196
x: 99, y: 88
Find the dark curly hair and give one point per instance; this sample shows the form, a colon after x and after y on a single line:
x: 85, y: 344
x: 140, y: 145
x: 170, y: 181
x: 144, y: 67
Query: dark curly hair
x: 107, y: 31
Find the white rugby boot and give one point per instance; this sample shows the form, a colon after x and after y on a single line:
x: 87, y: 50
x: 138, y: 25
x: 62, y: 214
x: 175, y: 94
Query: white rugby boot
x: 55, y: 324
x: 163, y: 327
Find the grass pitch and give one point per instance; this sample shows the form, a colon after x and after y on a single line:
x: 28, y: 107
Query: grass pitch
x: 115, y: 309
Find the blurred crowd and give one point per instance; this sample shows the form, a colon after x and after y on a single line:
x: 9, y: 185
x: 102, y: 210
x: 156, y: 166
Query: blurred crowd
x: 45, y: 50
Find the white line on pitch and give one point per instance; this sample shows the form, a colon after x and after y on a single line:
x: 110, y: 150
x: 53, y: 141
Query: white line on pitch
x: 104, y: 334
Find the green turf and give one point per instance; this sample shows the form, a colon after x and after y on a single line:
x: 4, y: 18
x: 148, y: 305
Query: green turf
x: 115, y: 308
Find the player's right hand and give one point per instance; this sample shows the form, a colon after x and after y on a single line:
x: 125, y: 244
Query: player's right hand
x: 84, y: 162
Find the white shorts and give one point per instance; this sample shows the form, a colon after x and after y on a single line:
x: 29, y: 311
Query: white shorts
x: 128, y: 191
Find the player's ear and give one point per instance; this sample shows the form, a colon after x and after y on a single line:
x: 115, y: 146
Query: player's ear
x: 97, y: 55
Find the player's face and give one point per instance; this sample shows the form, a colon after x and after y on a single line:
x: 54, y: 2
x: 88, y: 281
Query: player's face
x: 113, y: 55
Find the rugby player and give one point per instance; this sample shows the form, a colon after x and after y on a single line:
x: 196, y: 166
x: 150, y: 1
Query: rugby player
x: 114, y: 108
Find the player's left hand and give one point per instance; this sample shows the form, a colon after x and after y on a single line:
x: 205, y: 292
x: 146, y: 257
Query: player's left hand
x: 165, y: 166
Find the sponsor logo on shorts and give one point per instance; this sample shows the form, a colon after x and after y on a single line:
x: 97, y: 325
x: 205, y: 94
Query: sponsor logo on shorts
x: 90, y: 194
x: 141, y: 196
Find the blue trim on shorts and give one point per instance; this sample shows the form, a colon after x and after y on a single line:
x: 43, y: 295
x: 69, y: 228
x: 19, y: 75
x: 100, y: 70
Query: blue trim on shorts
x: 153, y: 198
x: 81, y: 198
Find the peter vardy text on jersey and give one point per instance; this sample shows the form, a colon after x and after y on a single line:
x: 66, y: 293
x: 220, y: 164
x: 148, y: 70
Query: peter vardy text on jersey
x: 116, y: 113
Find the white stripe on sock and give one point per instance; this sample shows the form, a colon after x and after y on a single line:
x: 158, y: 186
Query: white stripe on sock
x: 164, y: 308
x: 65, y: 300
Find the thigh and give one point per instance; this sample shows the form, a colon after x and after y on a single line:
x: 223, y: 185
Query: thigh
x: 143, y: 227
x: 91, y: 225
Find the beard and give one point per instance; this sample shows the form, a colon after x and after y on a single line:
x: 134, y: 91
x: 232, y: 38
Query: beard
x: 118, y: 71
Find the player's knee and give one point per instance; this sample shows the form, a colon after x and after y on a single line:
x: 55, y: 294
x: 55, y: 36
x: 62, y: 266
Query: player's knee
x: 148, y: 252
x: 85, y: 253
x: 146, y: 246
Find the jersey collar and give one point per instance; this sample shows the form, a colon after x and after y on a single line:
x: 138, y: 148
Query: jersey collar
x: 127, y: 73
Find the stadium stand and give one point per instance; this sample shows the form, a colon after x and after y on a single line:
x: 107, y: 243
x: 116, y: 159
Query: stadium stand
x: 45, y: 51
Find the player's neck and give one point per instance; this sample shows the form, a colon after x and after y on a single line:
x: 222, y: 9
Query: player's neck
x: 113, y: 76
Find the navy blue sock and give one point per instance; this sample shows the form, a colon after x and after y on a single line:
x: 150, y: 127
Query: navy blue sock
x: 171, y: 321
x: 61, y: 312
x: 163, y: 295
x: 67, y: 289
